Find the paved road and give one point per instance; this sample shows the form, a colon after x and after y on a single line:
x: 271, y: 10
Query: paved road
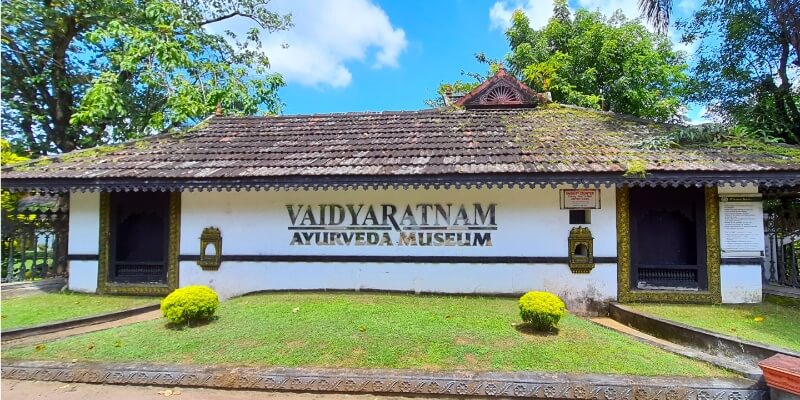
x: 19, y: 390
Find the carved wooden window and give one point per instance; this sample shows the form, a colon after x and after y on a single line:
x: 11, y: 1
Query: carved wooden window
x: 668, y: 238
x: 139, y: 237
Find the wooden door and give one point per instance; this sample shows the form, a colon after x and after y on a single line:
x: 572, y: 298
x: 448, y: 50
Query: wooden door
x: 139, y: 237
x: 668, y: 246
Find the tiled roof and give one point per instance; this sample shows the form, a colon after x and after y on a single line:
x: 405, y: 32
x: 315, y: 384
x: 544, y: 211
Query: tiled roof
x: 542, y: 141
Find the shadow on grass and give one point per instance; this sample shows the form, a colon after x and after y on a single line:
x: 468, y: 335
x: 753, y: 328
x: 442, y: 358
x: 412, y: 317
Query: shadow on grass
x: 191, y: 324
x: 527, y: 329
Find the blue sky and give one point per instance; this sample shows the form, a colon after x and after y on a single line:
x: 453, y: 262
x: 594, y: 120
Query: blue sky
x: 373, y: 55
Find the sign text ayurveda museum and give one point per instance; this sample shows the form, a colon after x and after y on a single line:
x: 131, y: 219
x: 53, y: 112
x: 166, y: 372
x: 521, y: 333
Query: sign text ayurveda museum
x: 423, y: 224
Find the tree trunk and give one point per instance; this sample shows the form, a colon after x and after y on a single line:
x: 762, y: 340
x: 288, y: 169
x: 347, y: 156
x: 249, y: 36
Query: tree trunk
x: 61, y: 107
x: 784, y: 101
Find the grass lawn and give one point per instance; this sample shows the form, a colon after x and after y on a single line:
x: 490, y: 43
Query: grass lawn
x: 50, y: 307
x: 779, y: 326
x: 361, y: 330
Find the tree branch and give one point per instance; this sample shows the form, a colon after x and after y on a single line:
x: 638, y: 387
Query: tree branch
x: 231, y: 15
x: 23, y: 59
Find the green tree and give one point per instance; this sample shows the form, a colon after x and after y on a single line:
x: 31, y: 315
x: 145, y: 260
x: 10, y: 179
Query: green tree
x: 786, y: 12
x: 590, y: 60
x: 78, y: 73
x: 744, y: 70
x: 461, y: 87
x: 8, y: 201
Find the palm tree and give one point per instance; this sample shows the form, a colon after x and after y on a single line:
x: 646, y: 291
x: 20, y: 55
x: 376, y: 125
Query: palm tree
x: 657, y: 12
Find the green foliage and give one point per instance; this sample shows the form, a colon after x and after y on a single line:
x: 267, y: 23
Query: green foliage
x: 125, y: 69
x: 703, y: 134
x: 8, y: 200
x: 761, y: 322
x: 457, y: 87
x: 401, y: 331
x: 190, y: 304
x: 542, y: 310
x: 44, y: 308
x: 460, y: 87
x: 8, y: 156
x: 659, y: 142
x: 738, y: 138
x: 747, y: 64
x: 608, y: 63
x: 635, y: 168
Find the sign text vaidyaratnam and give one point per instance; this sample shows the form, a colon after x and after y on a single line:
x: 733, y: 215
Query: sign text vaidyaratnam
x: 423, y: 224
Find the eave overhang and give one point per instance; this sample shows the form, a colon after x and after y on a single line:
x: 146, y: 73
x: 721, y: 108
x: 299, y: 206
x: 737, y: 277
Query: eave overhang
x: 764, y: 179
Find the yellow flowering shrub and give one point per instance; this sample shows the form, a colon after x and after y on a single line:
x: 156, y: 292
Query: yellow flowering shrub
x: 542, y: 310
x: 190, y: 304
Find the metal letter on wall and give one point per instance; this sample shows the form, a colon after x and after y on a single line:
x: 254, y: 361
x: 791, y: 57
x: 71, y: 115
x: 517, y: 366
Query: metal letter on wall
x: 210, y: 238
x: 581, y: 252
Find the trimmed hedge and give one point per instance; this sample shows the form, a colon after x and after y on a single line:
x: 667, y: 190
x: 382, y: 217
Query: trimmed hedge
x: 190, y: 304
x: 542, y: 310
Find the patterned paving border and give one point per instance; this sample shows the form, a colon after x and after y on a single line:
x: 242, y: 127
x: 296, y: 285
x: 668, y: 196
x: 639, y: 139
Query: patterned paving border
x: 530, y: 385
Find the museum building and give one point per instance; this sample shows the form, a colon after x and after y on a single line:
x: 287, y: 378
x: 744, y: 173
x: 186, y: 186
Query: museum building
x: 501, y: 191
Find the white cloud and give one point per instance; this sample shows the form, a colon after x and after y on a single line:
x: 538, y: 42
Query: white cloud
x: 327, y: 36
x: 538, y: 12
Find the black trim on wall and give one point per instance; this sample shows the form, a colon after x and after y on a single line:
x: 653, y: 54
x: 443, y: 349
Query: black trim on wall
x: 742, y: 261
x: 399, y: 259
x: 413, y: 259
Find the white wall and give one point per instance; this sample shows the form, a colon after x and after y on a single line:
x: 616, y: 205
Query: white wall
x: 741, y: 283
x: 84, y: 238
x: 83, y: 276
x: 236, y: 278
x: 530, y: 224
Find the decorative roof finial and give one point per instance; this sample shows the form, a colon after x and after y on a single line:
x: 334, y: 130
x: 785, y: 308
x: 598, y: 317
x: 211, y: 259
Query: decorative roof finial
x: 218, y: 111
x: 500, y: 91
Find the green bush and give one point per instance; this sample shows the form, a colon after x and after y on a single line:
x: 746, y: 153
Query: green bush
x: 190, y: 304
x: 542, y: 310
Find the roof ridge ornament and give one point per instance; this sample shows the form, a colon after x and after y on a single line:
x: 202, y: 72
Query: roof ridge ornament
x: 503, y: 90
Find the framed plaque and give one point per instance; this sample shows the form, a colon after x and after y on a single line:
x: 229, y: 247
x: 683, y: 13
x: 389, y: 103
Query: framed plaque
x: 580, y: 199
x: 741, y: 223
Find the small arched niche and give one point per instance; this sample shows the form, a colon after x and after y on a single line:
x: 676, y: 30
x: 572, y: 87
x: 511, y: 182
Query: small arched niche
x: 581, y: 243
x: 581, y: 250
x: 210, y: 249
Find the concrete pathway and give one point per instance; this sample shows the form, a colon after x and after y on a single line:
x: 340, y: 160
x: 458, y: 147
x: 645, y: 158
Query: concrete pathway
x: 49, y: 337
x: 18, y: 390
x: 722, y: 362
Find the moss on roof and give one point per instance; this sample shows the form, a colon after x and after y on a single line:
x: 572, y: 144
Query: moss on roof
x: 548, y: 139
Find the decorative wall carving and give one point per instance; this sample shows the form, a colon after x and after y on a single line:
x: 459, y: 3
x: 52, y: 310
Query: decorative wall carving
x: 210, y: 249
x: 581, y: 250
x: 501, y: 94
x: 530, y: 385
